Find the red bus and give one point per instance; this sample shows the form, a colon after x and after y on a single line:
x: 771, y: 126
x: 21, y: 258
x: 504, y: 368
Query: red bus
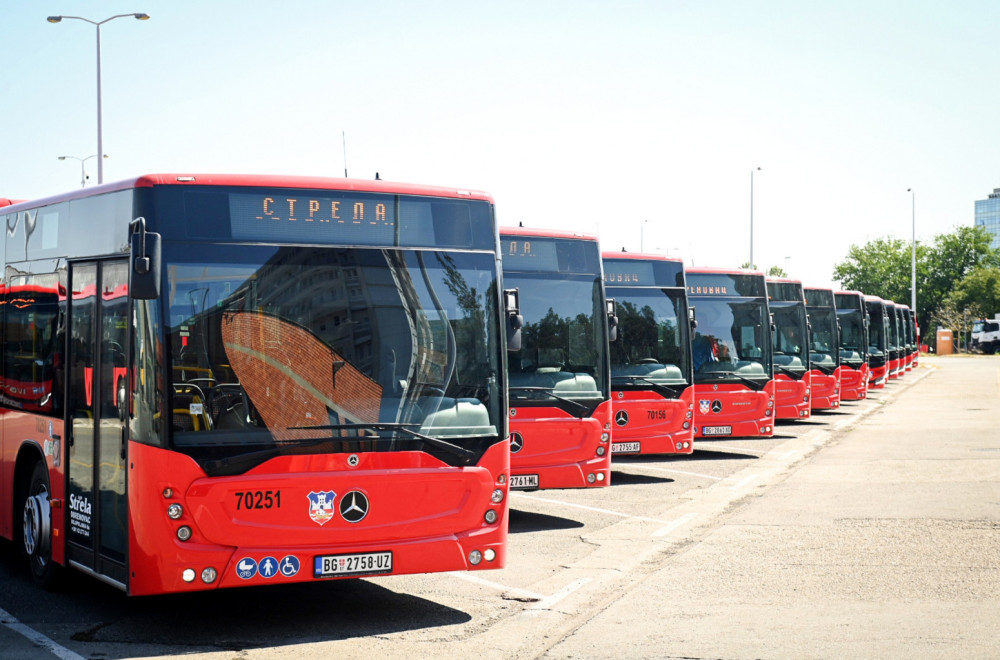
x: 651, y: 380
x: 253, y: 380
x: 915, y: 333
x: 790, y: 346
x: 731, y: 353
x: 824, y: 348
x: 854, y: 370
x: 906, y: 331
x: 897, y: 341
x: 559, y: 379
x: 878, y: 342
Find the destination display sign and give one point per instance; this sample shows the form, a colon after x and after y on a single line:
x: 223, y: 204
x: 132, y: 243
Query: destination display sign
x: 333, y: 217
x: 533, y: 254
x: 726, y: 284
x: 641, y: 272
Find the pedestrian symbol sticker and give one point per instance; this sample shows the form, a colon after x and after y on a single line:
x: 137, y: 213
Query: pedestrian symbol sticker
x: 268, y: 567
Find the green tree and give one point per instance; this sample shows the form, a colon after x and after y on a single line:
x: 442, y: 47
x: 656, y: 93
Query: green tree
x: 880, y: 268
x: 979, y: 290
x: 883, y: 268
x: 952, y: 257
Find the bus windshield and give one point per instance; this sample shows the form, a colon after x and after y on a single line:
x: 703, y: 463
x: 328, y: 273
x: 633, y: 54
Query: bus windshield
x: 652, y: 336
x: 824, y: 350
x: 852, y: 337
x: 791, y: 351
x: 562, y: 340
x: 731, y: 339
x: 375, y: 349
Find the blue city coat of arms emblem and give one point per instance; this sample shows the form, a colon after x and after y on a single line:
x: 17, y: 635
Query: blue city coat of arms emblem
x: 321, y: 506
x: 704, y: 405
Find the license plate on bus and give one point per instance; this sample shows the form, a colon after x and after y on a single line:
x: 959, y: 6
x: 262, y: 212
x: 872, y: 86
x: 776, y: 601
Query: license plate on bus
x: 625, y: 447
x: 367, y: 563
x: 717, y: 430
x: 524, y: 481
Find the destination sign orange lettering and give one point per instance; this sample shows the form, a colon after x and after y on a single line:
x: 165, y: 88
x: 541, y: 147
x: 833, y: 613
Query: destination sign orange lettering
x: 289, y: 209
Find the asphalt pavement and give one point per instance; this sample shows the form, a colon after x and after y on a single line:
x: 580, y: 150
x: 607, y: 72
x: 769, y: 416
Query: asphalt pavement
x: 885, y: 543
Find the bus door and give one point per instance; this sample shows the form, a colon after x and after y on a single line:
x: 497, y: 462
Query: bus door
x: 97, y: 516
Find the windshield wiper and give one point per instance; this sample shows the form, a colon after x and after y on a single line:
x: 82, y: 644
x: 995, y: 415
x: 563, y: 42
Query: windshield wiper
x: 583, y: 410
x: 236, y: 464
x: 723, y: 375
x: 672, y: 390
x: 790, y: 372
x: 466, y: 455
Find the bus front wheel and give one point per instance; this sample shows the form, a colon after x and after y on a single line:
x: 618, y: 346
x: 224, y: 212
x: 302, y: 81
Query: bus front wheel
x: 36, y: 532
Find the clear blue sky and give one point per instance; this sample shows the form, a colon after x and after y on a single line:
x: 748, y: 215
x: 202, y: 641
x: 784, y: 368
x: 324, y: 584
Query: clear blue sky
x: 638, y: 121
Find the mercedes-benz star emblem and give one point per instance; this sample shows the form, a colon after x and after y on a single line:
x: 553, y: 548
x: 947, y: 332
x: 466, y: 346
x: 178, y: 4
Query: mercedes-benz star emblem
x: 516, y: 443
x: 621, y: 418
x: 716, y: 406
x: 354, y: 506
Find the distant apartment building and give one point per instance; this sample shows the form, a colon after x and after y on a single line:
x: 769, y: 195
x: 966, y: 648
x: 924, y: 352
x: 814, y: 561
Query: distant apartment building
x: 988, y: 216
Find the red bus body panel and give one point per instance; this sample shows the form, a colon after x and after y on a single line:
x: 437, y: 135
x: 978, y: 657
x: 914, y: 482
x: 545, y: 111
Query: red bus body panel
x: 748, y: 413
x: 560, y: 448
x: 825, y: 390
x: 654, y: 425
x: 791, y: 397
x: 854, y: 383
x: 226, y: 533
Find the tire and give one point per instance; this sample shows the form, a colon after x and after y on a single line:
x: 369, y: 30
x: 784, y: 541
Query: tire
x: 36, y: 531
x: 990, y: 348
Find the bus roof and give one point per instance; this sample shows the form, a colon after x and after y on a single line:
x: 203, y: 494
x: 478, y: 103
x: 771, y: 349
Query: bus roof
x: 725, y: 271
x: 259, y: 180
x: 641, y: 256
x: 546, y: 233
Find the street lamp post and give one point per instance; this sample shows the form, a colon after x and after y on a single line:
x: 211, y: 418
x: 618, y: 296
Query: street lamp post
x: 83, y: 172
x: 98, y: 24
x: 751, y: 218
x: 913, y: 251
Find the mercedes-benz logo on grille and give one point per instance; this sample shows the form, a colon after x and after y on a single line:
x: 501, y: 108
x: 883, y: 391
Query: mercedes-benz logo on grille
x: 716, y: 406
x: 516, y: 443
x: 354, y: 506
x: 621, y: 418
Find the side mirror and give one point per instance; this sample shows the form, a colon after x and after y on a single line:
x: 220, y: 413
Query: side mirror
x: 512, y: 310
x: 145, y: 251
x: 692, y: 319
x: 612, y: 320
x: 774, y: 326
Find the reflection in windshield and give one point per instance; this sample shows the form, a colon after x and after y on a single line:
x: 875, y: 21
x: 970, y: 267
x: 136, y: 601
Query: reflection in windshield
x: 731, y: 338
x: 852, y: 337
x: 824, y: 350
x: 282, y: 345
x: 791, y: 352
x: 562, y: 340
x: 652, y: 334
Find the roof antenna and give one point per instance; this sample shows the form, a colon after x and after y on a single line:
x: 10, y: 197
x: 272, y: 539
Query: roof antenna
x: 377, y: 177
x: 520, y: 223
x: 343, y: 138
x: 623, y: 248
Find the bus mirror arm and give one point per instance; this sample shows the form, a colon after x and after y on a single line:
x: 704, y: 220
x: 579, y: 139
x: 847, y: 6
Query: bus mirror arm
x: 145, y: 250
x: 515, y: 321
x: 692, y: 319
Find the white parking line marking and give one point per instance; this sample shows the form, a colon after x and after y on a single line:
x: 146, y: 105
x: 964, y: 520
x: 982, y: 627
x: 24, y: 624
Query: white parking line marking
x: 710, y: 447
x: 693, y: 474
x: 475, y: 579
x: 683, y: 520
x: 548, y: 603
x: 37, y: 638
x: 588, y: 508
